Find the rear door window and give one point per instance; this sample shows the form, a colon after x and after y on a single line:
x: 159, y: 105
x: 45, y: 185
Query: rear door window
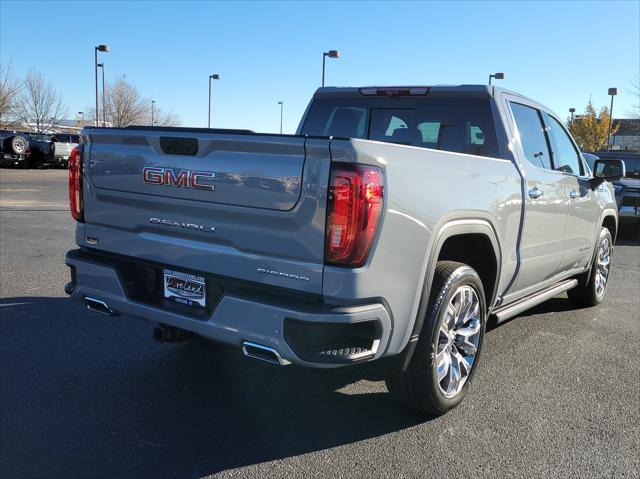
x: 532, y: 135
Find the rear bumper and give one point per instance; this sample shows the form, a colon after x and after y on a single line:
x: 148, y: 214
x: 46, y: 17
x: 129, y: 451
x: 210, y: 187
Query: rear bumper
x: 11, y: 159
x: 288, y: 327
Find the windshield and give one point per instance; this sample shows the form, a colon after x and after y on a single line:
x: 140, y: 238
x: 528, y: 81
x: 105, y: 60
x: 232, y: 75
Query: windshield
x: 39, y: 137
x: 633, y: 168
x: 462, y: 125
x: 590, y: 159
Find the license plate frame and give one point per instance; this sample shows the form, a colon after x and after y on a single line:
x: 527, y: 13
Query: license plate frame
x: 184, y: 288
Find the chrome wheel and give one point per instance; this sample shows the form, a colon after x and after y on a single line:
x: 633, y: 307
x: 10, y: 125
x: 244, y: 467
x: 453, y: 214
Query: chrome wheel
x: 603, y: 262
x: 19, y: 145
x: 458, y: 339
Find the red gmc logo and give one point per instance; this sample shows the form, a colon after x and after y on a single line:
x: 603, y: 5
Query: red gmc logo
x: 200, y: 180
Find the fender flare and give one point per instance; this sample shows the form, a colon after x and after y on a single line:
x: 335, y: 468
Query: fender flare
x: 606, y: 213
x: 450, y: 229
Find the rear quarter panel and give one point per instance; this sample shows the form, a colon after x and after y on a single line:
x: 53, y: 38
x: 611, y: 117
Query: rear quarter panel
x: 425, y: 190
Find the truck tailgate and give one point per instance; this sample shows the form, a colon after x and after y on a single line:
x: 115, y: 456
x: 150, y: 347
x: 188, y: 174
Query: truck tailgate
x: 243, y: 206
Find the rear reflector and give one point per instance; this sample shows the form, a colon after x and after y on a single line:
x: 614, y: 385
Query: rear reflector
x: 75, y: 183
x: 355, y: 205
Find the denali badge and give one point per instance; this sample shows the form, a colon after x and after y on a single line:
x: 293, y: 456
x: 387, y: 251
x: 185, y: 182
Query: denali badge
x: 282, y: 275
x: 200, y: 180
x: 178, y: 224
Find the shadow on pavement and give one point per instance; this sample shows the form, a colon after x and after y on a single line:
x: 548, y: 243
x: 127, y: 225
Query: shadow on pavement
x: 84, y: 395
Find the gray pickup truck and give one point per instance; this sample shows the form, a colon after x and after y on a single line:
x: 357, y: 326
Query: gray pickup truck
x: 62, y: 144
x: 394, y: 224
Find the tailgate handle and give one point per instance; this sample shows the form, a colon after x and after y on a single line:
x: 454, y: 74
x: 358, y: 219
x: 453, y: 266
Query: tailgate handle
x: 179, y: 146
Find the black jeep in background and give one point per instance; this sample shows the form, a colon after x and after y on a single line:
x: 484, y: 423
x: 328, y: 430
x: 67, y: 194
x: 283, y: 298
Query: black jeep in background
x: 14, y: 149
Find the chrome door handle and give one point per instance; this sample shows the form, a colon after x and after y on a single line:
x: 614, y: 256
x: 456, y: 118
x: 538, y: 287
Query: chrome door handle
x: 573, y: 194
x: 535, y: 192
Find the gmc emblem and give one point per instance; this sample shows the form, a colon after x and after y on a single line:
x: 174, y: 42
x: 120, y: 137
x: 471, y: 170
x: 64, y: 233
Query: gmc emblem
x: 199, y: 180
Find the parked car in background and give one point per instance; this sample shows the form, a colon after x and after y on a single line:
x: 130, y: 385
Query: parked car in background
x: 61, y: 146
x: 627, y: 189
x: 393, y: 224
x: 40, y: 148
x: 14, y: 148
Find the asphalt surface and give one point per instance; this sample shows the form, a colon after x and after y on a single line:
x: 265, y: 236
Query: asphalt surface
x: 83, y: 395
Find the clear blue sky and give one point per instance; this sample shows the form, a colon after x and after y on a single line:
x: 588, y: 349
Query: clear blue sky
x: 556, y: 52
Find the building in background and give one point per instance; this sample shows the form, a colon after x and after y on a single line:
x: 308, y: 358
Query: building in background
x: 628, y: 135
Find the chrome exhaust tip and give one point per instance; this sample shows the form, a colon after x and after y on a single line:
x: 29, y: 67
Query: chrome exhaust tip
x: 262, y: 353
x: 98, y: 306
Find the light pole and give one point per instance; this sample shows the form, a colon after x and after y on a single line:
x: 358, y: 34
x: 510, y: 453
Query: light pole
x: 281, y: 112
x: 104, y: 102
x: 572, y: 111
x: 497, y: 76
x: 81, y: 113
x: 215, y: 76
x: 153, y: 102
x: 330, y: 54
x: 613, y: 92
x: 99, y: 48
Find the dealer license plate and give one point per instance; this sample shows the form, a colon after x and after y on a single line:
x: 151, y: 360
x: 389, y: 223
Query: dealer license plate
x: 185, y: 288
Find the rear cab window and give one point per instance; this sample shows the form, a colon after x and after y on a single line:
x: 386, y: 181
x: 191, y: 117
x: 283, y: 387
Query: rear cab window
x: 531, y: 131
x: 456, y: 124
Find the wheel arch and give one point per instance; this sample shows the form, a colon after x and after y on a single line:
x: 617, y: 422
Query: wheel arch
x: 451, y: 242
x: 610, y: 221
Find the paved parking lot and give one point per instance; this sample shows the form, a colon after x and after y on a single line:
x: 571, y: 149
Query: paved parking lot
x: 83, y: 395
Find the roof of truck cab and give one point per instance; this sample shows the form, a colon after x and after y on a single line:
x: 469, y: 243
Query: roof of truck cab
x: 480, y: 91
x: 468, y: 91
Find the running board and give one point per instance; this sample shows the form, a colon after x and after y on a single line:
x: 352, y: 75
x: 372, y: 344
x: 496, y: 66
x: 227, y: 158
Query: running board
x: 511, y: 310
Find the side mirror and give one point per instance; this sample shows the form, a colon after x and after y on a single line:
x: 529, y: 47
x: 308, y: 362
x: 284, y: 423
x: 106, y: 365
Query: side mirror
x: 607, y: 170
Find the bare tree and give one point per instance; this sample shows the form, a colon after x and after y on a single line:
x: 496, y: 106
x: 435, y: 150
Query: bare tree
x: 39, y: 102
x: 634, y: 111
x: 9, y: 89
x: 164, y: 118
x: 125, y: 105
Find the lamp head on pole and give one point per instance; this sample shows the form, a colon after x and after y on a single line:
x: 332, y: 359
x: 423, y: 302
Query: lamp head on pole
x: 572, y: 110
x: 215, y: 76
x: 613, y: 91
x: 103, y: 48
x: 332, y: 54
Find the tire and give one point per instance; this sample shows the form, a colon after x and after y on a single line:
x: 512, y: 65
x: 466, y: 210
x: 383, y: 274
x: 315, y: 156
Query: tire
x: 17, y: 144
x: 591, y: 291
x: 421, y: 387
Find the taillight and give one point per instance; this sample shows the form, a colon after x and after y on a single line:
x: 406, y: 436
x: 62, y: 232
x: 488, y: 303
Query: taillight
x: 75, y: 183
x: 355, y: 205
